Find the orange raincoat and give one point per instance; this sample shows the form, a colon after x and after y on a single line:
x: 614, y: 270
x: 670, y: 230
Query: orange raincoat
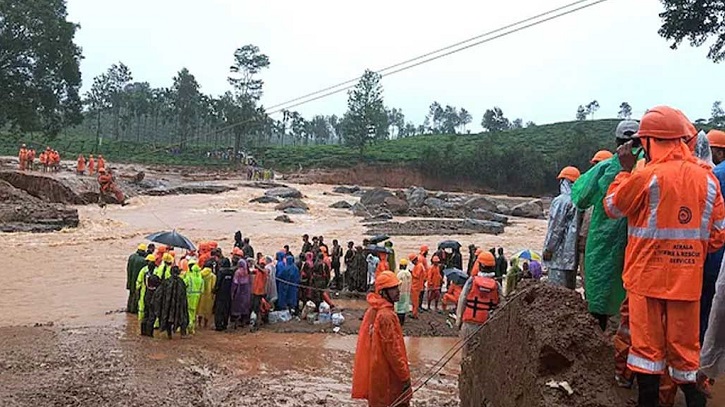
x: 91, y: 165
x: 382, y: 265
x: 81, y: 166
x: 381, y: 363
x: 418, y: 284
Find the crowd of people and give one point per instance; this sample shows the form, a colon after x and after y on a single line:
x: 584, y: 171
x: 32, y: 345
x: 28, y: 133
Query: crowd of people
x: 645, y: 229
x: 48, y: 160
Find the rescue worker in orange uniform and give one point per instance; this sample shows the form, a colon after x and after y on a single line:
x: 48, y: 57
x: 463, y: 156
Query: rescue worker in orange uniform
x: 81, y: 165
x: 435, y: 281
x: 30, y: 162
x: 479, y: 296
x: 101, y: 162
x: 418, y: 283
x: 381, y: 374
x: 383, y: 264
x: 105, y: 181
x: 91, y: 165
x: 675, y: 216
x: 22, y: 157
x: 55, y: 160
x: 42, y: 160
x: 452, y: 295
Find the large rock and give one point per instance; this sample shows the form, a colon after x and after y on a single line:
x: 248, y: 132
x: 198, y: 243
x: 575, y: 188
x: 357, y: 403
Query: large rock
x: 380, y: 216
x: 283, y: 219
x: 531, y: 209
x: 484, y: 226
x: 543, y: 333
x: 503, y: 209
x: 190, y: 189
x: 295, y: 211
x: 482, y: 214
x: 375, y: 197
x: 291, y: 203
x: 343, y: 189
x: 341, y: 205
x: 395, y: 205
x: 283, y: 192
x: 434, y: 203
x: 264, y: 200
x: 360, y: 210
x: 417, y: 197
x: 481, y: 202
x: 424, y: 227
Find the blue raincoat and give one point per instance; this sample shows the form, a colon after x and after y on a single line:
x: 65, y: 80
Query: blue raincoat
x: 281, y: 275
x: 293, y: 276
x: 712, y: 268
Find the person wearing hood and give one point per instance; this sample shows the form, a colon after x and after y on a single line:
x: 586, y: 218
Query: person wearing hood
x: 259, y: 287
x: 247, y: 249
x: 223, y: 293
x: 306, y: 277
x: 372, y: 261
x: 281, y: 279
x: 164, y: 268
x: 135, y: 263
x: 241, y: 295
x: 238, y: 241
x: 383, y: 264
x: 142, y: 280
x: 675, y: 215
x: 336, y: 255
x: 171, y: 304
x: 320, y: 280
x: 391, y: 256
x: 152, y: 282
x: 480, y: 295
x: 381, y: 374
x: 293, y: 276
x: 607, y: 238
x: 205, y: 309
x: 472, y: 256
x: 271, y: 270
x: 417, y: 285
x: 357, y: 271
x: 560, y: 244
x: 435, y: 281
x: 402, y: 306
x: 194, y: 289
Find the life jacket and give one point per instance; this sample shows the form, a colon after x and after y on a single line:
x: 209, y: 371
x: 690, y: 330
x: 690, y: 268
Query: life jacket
x: 482, y: 297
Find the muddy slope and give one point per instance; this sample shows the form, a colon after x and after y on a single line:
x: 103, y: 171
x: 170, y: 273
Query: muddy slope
x: 544, y: 334
x: 21, y: 212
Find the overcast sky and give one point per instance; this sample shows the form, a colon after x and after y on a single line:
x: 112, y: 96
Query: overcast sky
x: 610, y: 52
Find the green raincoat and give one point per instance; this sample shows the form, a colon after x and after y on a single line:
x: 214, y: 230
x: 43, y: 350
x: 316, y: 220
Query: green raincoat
x: 141, y: 289
x: 194, y: 288
x: 606, y: 241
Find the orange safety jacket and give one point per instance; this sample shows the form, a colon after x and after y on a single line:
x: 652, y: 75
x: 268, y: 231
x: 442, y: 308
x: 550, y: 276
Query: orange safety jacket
x: 482, y: 297
x: 675, y: 216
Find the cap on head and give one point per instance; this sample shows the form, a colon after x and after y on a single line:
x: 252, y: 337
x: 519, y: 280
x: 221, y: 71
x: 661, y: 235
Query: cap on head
x: 569, y: 173
x: 168, y: 258
x: 386, y: 279
x: 601, y: 155
x: 151, y: 257
x: 403, y: 262
x: 626, y: 129
x: 412, y: 256
x: 423, y: 249
x: 142, y: 247
x: 487, y: 259
x: 716, y: 138
x: 664, y: 123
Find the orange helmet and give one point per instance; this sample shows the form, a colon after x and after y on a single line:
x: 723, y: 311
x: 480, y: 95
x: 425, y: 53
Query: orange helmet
x: 237, y: 251
x: 412, y: 256
x: 386, y: 279
x: 570, y: 173
x: 601, y: 155
x: 664, y: 123
x: 487, y: 259
x: 716, y: 138
x: 435, y: 259
x: 423, y: 249
x: 102, y: 171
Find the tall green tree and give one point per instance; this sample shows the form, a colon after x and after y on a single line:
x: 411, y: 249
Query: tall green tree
x: 366, y: 119
x: 592, y: 108
x: 625, y: 111
x: 581, y: 113
x: 119, y: 76
x: 718, y: 114
x: 187, y: 99
x: 39, y: 66
x: 248, y: 63
x: 696, y: 21
x: 98, y: 100
x: 494, y: 120
x: 464, y: 119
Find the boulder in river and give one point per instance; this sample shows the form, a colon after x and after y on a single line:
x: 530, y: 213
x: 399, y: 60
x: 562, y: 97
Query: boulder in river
x: 190, y: 189
x: 283, y: 219
x: 481, y: 202
x: 291, y: 203
x: 503, y: 209
x: 360, y: 210
x: 283, y: 192
x: 375, y: 197
x: 395, y: 205
x: 343, y: 189
x: 295, y: 211
x: 484, y: 226
x: 531, y: 209
x: 434, y: 203
x: 417, y: 196
x: 482, y: 214
x: 264, y: 200
x: 341, y: 205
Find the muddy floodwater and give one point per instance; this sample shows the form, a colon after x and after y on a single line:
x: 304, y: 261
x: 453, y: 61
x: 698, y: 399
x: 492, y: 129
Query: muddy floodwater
x: 86, y: 351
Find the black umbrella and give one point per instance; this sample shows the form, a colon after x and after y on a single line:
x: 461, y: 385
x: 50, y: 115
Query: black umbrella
x: 172, y: 239
x: 378, y: 239
x: 455, y: 275
x: 378, y: 249
x: 449, y: 244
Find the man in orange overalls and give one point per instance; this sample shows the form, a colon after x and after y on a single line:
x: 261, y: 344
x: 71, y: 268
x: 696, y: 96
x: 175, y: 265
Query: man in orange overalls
x: 105, y: 181
x: 22, y: 157
x: 675, y: 216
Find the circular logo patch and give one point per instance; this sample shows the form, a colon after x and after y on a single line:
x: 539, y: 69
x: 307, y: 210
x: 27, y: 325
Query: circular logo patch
x: 684, y: 215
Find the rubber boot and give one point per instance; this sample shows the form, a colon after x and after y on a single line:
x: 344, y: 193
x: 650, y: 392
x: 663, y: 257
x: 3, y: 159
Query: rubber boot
x: 649, y: 390
x: 693, y: 396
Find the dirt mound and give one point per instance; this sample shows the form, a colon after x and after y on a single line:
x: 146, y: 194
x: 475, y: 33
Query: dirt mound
x: 59, y: 188
x: 21, y: 212
x: 544, y: 333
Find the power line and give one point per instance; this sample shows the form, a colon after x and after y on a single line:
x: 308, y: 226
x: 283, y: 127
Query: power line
x: 381, y: 71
